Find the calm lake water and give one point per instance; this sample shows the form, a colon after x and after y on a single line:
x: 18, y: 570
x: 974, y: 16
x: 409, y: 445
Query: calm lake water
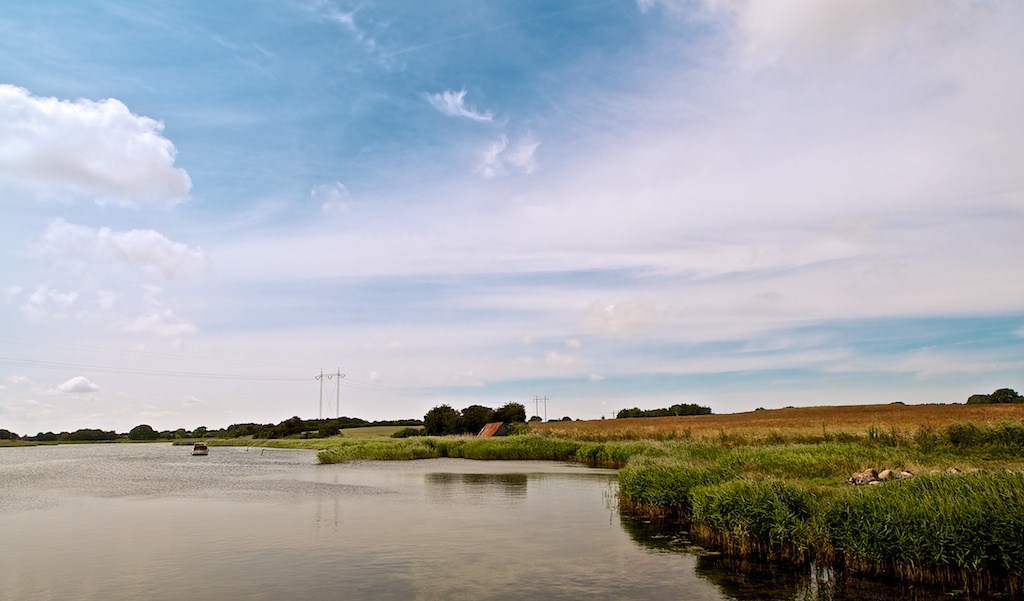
x: 149, y: 521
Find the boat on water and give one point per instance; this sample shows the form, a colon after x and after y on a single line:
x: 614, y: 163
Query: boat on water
x: 200, y: 448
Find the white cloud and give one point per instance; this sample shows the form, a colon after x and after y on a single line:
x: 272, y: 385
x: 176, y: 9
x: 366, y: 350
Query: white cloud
x: 46, y: 303
x: 808, y: 28
x: 145, y: 250
x: 332, y: 198
x: 16, y: 380
x: 453, y: 104
x: 158, y: 319
x: 595, y: 377
x: 77, y: 385
x: 60, y: 149
x: 556, y: 359
x: 622, y: 317
x: 188, y: 401
x: 500, y: 157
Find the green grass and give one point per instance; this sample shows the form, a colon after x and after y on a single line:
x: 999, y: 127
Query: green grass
x: 790, y: 503
x: 371, y: 431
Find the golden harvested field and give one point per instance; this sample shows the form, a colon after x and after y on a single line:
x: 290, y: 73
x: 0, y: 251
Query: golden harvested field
x: 794, y: 421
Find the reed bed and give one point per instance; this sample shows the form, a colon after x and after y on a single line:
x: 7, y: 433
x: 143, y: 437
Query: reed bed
x: 961, y: 530
x: 524, y: 448
x: 951, y: 529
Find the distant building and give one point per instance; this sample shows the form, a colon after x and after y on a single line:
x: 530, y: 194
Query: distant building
x: 494, y: 429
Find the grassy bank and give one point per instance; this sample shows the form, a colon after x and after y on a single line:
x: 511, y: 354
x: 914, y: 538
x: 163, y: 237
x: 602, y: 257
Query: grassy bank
x: 523, y: 448
x: 790, y: 502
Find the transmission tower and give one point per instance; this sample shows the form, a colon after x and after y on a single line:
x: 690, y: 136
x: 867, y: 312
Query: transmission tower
x: 336, y: 376
x: 536, y: 406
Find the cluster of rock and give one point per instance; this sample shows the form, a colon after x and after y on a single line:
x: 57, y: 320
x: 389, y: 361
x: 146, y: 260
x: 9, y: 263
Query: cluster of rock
x: 873, y: 476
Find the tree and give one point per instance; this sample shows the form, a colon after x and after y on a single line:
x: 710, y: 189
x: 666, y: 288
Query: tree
x: 143, y: 432
x: 681, y: 409
x: 1003, y: 395
x: 329, y: 428
x: 510, y: 412
x: 441, y: 421
x: 1006, y: 395
x: 475, y: 417
x: 6, y: 434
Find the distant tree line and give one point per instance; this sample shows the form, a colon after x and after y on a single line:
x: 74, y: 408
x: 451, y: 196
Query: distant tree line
x: 1003, y: 395
x: 681, y: 409
x: 294, y: 427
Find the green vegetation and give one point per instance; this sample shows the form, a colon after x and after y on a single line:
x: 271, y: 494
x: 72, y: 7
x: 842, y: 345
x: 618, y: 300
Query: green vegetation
x: 523, y: 447
x: 443, y: 420
x: 790, y: 502
x: 674, y: 410
x: 1003, y: 395
x: 143, y: 432
x: 294, y: 427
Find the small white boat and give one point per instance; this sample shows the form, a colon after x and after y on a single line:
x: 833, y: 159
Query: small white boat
x: 200, y: 448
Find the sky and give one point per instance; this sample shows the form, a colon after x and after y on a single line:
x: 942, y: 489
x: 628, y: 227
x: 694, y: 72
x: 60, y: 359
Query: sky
x: 604, y: 203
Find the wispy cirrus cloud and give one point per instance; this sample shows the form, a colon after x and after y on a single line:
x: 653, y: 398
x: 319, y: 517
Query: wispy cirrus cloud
x: 453, y: 104
x: 333, y: 198
x: 503, y: 157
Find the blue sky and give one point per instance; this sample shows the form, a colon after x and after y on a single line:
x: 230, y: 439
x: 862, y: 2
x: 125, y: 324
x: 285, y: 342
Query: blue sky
x: 610, y: 204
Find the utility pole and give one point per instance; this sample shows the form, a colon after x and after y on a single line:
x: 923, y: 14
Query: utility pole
x: 536, y: 406
x: 337, y: 376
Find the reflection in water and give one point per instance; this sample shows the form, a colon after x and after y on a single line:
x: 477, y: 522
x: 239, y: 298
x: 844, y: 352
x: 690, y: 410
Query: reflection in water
x: 443, y: 487
x: 745, y: 580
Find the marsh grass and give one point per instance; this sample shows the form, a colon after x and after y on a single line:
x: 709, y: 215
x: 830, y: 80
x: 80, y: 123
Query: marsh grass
x: 963, y: 530
x: 523, y: 448
x: 789, y: 503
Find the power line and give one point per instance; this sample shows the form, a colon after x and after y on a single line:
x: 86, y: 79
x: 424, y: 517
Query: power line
x: 403, y: 388
x: 337, y: 393
x: 132, y: 371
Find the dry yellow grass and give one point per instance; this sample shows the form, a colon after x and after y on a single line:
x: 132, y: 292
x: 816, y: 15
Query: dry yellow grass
x: 791, y: 422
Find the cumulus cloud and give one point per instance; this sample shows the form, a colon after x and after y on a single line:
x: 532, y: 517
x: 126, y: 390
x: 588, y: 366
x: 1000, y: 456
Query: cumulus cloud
x: 16, y: 380
x: 158, y: 319
x: 145, y: 250
x: 66, y: 149
x: 622, y: 317
x: 47, y: 303
x: 453, y: 104
x: 501, y: 157
x: 332, y: 198
x: 77, y: 385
